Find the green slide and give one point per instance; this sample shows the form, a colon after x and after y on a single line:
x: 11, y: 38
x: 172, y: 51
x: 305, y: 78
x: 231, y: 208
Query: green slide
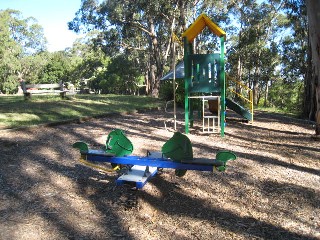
x: 238, y: 109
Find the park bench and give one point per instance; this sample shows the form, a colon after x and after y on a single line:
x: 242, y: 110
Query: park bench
x: 37, y: 89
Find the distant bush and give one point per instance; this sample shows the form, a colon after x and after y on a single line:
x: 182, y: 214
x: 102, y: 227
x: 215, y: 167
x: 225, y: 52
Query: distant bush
x: 166, y: 91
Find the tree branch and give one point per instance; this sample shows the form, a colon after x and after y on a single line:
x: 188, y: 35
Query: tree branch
x: 137, y: 25
x: 127, y: 46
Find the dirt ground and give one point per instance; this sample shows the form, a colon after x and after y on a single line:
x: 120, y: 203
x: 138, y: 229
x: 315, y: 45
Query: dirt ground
x: 270, y: 192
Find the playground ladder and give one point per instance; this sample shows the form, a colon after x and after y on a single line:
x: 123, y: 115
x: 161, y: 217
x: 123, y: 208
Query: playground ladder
x: 210, y: 121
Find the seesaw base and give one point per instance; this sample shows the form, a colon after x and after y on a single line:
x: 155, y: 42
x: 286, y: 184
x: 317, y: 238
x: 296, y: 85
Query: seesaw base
x: 140, y: 175
x: 137, y: 175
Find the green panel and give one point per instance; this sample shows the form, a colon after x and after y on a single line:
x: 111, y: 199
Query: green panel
x: 204, y: 74
x: 203, y: 77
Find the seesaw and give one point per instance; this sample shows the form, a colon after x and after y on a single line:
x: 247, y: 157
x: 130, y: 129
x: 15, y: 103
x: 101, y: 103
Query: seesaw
x: 176, y: 154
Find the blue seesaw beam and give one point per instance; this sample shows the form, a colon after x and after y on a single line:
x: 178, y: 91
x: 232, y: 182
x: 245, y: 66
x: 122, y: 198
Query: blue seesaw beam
x: 198, y: 164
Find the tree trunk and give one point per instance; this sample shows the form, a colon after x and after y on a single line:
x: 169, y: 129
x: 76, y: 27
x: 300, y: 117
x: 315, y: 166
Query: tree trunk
x: 239, y: 79
x: 182, y: 18
x: 239, y: 70
x: 147, y: 82
x: 313, y: 11
x: 152, y: 68
x: 318, y: 110
x: 256, y: 85
x: 156, y: 63
x: 309, y: 91
x: 265, y: 104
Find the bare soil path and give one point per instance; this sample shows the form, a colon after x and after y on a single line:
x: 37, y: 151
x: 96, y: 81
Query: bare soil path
x: 270, y: 192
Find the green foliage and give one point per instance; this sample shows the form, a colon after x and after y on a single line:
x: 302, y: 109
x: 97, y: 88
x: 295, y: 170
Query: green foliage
x: 32, y: 67
x: 254, y: 57
x: 9, y: 52
x: 10, y: 85
x: 57, y: 68
x: 286, y: 96
x: 19, y: 38
x: 166, y: 91
x: 87, y: 63
x: 120, y: 75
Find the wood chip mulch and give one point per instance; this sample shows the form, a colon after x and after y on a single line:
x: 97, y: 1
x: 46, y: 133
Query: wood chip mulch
x: 270, y: 192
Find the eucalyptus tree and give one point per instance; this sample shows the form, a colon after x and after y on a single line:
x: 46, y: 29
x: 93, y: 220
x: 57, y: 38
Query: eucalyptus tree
x: 57, y: 68
x: 9, y: 54
x: 313, y: 10
x: 254, y: 35
x: 32, y: 67
x: 131, y: 26
x: 19, y: 38
x: 118, y: 79
x: 88, y: 62
x: 294, y: 52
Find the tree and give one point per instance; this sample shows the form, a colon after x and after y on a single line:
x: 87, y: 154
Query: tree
x: 135, y: 26
x: 139, y: 28
x: 32, y: 67
x: 26, y: 32
x: 87, y: 61
x: 118, y: 79
x: 9, y: 53
x: 253, y: 56
x: 19, y: 38
x: 295, y: 56
x: 57, y: 68
x: 313, y: 10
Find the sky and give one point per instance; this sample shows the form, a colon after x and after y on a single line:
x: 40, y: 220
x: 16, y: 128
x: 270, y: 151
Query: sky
x: 52, y: 15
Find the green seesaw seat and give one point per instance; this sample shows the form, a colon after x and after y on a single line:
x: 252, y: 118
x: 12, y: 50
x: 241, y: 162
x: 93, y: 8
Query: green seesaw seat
x: 179, y: 149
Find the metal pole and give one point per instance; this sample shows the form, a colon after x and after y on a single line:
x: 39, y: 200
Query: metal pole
x: 187, y: 78
x: 222, y: 86
x: 174, y: 83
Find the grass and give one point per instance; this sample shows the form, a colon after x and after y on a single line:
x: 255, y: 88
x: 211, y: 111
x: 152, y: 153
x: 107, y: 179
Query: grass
x: 17, y: 112
x: 293, y: 113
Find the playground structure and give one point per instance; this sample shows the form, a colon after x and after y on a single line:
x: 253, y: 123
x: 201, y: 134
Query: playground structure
x: 204, y: 74
x: 205, y: 82
x: 176, y: 154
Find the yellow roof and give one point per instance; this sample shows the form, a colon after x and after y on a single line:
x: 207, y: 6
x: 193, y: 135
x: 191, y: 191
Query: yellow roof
x: 199, y: 24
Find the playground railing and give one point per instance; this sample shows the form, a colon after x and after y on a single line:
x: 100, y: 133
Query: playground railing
x: 241, y: 91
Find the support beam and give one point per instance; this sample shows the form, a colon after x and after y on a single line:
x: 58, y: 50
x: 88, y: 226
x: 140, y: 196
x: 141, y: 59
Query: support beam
x: 223, y: 87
